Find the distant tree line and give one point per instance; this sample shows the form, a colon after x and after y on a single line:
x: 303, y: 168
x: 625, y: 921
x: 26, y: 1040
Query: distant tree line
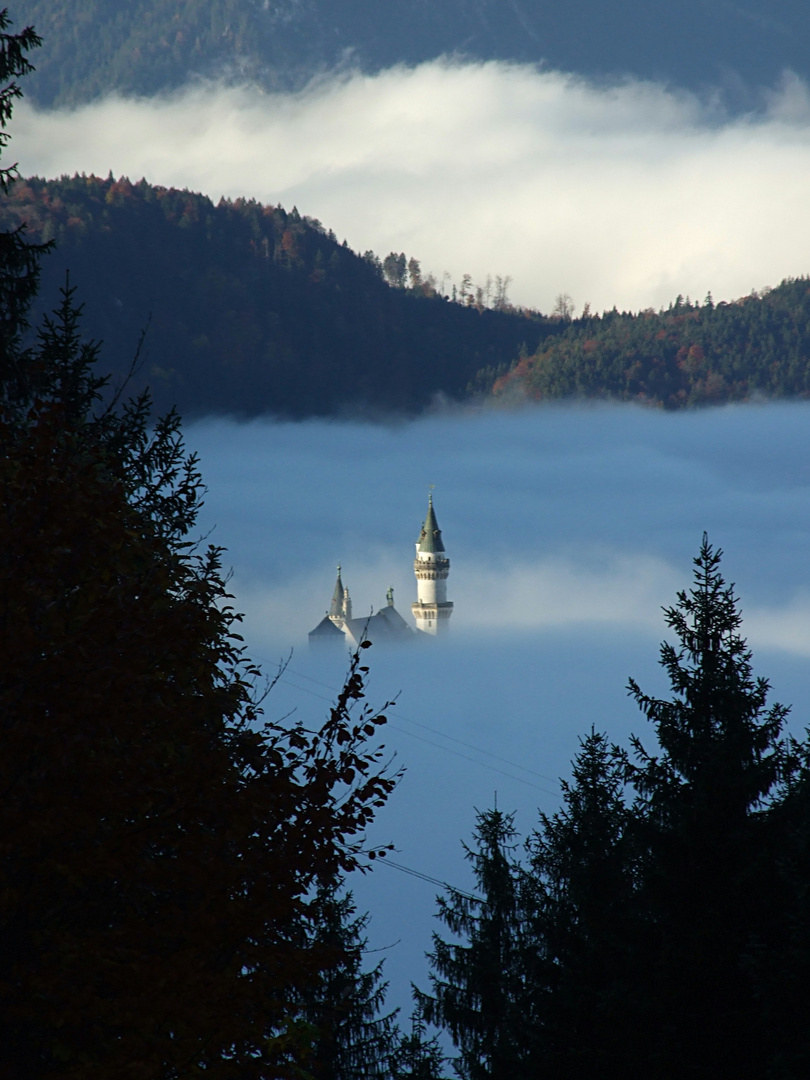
x: 406, y: 273
x: 689, y: 354
x: 252, y: 309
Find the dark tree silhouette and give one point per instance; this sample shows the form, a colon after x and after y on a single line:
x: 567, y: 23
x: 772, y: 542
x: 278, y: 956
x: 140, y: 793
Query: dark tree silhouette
x: 159, y: 843
x: 480, y: 988
x: 352, y: 1038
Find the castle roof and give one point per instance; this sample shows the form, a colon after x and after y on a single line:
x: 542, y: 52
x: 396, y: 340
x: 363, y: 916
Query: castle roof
x: 387, y: 625
x: 325, y: 631
x: 430, y: 539
x: 394, y: 620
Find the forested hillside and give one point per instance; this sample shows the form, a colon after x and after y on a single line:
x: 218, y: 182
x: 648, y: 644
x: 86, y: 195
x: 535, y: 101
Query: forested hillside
x: 252, y: 309
x: 690, y: 354
x: 92, y: 47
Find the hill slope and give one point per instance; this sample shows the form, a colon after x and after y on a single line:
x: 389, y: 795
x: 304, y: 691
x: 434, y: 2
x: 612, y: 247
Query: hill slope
x: 251, y: 309
x: 691, y: 354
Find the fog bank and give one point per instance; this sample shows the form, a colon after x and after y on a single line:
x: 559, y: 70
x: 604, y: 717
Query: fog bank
x: 626, y: 194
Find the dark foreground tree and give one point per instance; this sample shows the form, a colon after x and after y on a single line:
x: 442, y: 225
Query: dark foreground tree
x: 159, y: 845
x: 707, y: 797
x: 662, y: 925
x: 19, y: 259
x: 480, y: 988
x: 352, y: 1037
x: 580, y: 893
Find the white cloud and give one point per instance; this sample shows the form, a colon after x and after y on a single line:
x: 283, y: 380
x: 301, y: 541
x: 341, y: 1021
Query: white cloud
x: 595, y: 591
x: 785, y: 628
x: 560, y: 592
x: 626, y: 194
x: 556, y: 518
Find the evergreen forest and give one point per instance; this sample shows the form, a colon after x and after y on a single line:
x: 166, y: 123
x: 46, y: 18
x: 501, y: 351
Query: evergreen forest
x: 690, y: 354
x: 248, y: 309
x: 145, y: 47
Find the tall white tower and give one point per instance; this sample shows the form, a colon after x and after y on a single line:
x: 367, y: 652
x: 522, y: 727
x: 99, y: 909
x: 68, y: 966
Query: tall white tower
x: 432, y: 609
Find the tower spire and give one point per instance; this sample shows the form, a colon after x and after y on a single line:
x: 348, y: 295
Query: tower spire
x: 337, y: 607
x: 432, y: 609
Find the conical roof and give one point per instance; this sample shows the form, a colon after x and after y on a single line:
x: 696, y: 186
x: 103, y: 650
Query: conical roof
x: 430, y: 539
x: 336, y: 607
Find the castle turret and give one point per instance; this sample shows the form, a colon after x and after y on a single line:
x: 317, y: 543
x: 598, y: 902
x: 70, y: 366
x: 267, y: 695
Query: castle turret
x: 432, y: 609
x: 340, y: 603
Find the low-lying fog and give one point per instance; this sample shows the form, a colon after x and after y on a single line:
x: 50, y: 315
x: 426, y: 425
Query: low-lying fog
x: 567, y: 530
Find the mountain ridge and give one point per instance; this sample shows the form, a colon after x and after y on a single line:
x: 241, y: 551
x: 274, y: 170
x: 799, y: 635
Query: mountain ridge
x: 254, y: 310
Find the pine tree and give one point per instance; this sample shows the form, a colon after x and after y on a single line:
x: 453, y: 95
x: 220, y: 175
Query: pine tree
x: 580, y: 891
x: 705, y: 797
x: 159, y: 843
x: 780, y: 955
x: 480, y: 992
x: 352, y: 1038
x: 415, y: 1056
x: 19, y: 259
x: 662, y: 925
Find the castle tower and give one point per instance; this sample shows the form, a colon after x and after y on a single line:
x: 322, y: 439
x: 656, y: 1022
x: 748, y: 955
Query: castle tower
x: 432, y: 609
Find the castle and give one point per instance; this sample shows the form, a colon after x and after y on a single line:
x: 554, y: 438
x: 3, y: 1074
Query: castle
x: 431, y: 609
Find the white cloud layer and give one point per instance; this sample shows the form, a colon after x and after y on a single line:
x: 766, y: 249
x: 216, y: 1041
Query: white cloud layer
x: 626, y: 195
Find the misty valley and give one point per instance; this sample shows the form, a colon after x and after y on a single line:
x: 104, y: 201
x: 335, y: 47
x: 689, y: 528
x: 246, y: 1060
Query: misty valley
x: 563, y: 834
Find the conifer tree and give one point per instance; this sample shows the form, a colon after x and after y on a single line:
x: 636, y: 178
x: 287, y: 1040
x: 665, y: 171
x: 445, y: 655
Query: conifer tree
x: 780, y: 957
x: 159, y: 842
x: 580, y: 887
x: 480, y: 992
x: 19, y: 259
x: 415, y: 1056
x: 352, y: 1038
x: 705, y: 798
x: 662, y: 925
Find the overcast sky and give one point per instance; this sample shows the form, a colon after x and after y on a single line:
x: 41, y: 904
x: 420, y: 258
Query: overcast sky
x: 567, y: 530
x: 627, y: 194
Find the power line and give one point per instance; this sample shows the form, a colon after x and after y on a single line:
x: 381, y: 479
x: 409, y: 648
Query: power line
x: 438, y: 746
x: 426, y: 877
x: 450, y: 738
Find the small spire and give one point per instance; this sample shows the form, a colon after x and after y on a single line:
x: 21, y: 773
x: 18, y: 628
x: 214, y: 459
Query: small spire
x: 336, y: 608
x: 430, y: 539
